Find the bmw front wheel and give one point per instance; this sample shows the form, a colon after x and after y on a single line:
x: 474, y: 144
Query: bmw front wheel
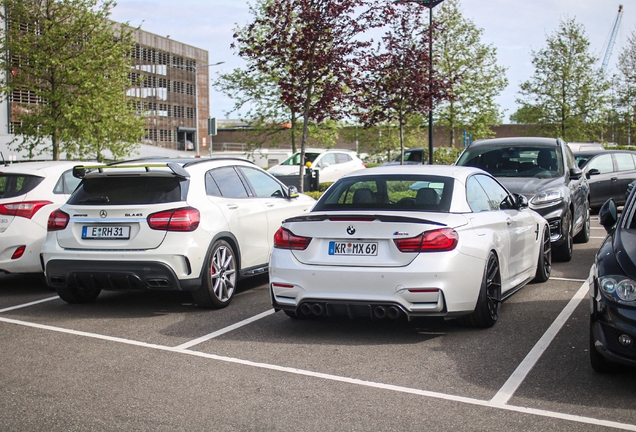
x: 219, y: 281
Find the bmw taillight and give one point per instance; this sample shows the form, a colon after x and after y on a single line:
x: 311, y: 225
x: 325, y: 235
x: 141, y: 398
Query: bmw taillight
x: 181, y: 219
x: 25, y: 209
x: 439, y: 240
x: 58, y: 220
x: 285, y: 239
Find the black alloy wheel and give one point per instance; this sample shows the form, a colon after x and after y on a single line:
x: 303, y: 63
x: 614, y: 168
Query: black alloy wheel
x: 564, y: 252
x: 486, y: 311
x: 584, y: 235
x: 544, y: 263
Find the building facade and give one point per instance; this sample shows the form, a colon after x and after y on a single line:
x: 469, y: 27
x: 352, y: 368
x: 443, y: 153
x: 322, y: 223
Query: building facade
x: 170, y: 86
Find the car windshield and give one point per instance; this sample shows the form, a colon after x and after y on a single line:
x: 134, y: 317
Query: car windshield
x: 515, y: 161
x: 12, y: 185
x: 127, y: 190
x: 295, y: 158
x: 389, y: 192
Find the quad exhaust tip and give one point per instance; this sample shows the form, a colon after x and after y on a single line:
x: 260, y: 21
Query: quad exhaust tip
x: 377, y: 312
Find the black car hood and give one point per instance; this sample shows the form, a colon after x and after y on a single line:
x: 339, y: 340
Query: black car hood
x: 625, y: 251
x: 530, y: 186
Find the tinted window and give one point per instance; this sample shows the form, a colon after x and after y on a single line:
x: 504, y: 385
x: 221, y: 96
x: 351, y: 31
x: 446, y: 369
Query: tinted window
x: 515, y: 161
x: 496, y: 193
x: 389, y: 192
x: 127, y: 190
x: 476, y: 196
x: 229, y: 182
x: 603, y: 163
x: 211, y: 188
x: 624, y: 161
x: 12, y: 185
x: 262, y: 184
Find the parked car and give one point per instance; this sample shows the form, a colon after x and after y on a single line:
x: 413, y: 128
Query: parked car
x: 410, y: 241
x: 612, y: 284
x: 585, y: 146
x: 189, y: 225
x: 630, y: 187
x: 29, y: 191
x: 609, y: 173
x: 413, y: 156
x: 330, y: 164
x: 545, y: 172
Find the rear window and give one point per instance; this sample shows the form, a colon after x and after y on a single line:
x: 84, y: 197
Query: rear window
x: 389, y: 192
x: 129, y: 190
x: 12, y: 185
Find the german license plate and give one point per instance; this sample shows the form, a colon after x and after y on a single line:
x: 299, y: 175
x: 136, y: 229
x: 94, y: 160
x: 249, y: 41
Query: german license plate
x: 105, y: 232
x: 353, y: 248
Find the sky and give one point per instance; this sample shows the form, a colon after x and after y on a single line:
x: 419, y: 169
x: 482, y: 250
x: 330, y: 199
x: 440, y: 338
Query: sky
x: 514, y: 27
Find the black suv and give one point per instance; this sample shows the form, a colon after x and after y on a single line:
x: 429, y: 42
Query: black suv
x: 544, y: 171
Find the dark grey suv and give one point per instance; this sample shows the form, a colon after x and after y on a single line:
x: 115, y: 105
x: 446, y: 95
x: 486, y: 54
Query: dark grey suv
x: 544, y: 171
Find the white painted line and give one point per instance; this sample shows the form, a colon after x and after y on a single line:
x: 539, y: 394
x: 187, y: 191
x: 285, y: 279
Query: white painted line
x: 568, y: 279
x: 336, y: 378
x: 224, y: 330
x: 512, y: 384
x: 28, y: 304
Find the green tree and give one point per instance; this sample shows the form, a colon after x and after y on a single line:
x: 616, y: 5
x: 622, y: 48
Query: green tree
x: 471, y: 68
x: 566, y: 95
x: 70, y: 58
x: 625, y: 91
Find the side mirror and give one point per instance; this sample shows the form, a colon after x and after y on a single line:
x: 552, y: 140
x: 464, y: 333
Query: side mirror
x: 292, y: 192
x: 576, y: 173
x: 607, y: 215
x: 522, y: 201
x: 324, y: 165
x: 592, y: 172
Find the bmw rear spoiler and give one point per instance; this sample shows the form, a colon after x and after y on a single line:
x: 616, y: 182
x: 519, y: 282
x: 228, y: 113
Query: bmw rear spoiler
x: 79, y: 171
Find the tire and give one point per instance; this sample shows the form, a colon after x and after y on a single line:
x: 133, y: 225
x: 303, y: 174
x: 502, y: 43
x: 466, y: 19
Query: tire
x: 486, y: 311
x: 599, y: 363
x: 77, y: 295
x: 219, y: 281
x: 544, y: 262
x: 584, y: 235
x: 564, y: 252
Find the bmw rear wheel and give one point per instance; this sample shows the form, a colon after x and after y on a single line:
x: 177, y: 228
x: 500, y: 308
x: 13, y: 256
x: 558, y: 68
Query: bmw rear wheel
x: 219, y: 282
x: 487, y: 309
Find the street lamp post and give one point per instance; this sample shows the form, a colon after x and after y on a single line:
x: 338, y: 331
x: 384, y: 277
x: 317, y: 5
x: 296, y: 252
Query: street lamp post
x: 196, y: 104
x: 430, y: 4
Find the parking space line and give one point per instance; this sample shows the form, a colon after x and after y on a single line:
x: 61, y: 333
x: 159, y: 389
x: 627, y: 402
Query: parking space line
x: 336, y: 378
x: 224, y: 330
x: 28, y: 304
x: 568, y: 279
x: 519, y: 375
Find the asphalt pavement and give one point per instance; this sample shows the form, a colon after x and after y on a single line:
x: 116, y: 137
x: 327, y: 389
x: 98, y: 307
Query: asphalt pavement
x: 156, y: 362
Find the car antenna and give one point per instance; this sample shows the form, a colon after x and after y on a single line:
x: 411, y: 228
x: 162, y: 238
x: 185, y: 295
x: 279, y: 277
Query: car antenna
x: 4, y: 162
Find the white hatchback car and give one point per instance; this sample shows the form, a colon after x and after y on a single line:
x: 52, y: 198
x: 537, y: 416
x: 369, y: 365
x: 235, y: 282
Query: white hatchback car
x: 29, y: 191
x: 190, y: 225
x: 409, y: 241
x: 330, y: 164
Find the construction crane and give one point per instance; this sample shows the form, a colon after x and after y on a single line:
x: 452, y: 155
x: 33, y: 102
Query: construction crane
x: 612, y: 40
